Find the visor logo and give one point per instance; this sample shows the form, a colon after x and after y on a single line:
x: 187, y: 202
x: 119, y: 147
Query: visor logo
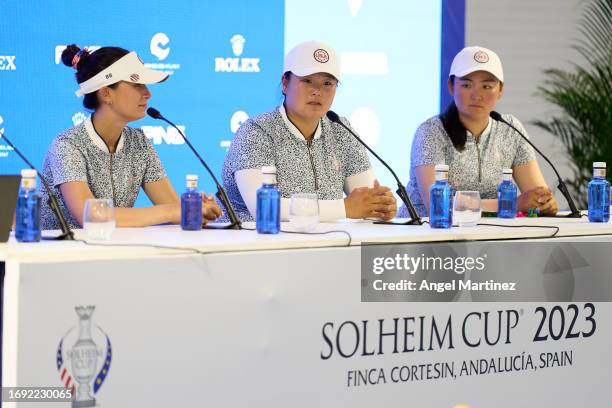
x: 134, y: 77
x: 321, y: 56
x: 481, y: 56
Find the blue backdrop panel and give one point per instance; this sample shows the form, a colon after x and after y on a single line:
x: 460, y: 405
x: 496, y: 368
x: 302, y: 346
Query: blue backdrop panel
x: 224, y: 57
x: 226, y: 61
x: 390, y: 63
x: 453, y: 40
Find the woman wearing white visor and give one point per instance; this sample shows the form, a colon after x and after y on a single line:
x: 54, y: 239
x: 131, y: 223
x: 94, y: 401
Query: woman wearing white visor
x: 102, y: 157
x: 474, y: 146
x: 311, y: 154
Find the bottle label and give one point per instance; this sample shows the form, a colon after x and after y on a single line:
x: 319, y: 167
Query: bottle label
x: 192, y: 183
x: 599, y: 172
x: 269, y: 179
x: 28, y: 183
x: 441, y: 175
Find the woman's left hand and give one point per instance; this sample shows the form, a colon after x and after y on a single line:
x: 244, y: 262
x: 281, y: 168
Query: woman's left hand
x: 540, y: 198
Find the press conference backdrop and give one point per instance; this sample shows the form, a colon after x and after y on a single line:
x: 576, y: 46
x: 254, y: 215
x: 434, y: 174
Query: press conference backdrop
x: 225, y: 60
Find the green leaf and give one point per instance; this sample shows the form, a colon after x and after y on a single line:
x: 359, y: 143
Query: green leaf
x: 583, y: 95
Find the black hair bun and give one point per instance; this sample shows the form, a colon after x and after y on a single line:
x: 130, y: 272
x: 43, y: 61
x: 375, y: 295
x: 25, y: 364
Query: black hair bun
x: 69, y: 53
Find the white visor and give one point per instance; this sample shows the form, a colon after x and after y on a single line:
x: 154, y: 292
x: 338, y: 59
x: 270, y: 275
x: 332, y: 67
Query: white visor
x: 128, y: 68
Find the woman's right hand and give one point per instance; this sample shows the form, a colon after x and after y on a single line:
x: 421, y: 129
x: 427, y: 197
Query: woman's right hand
x: 539, y: 197
x: 210, y: 210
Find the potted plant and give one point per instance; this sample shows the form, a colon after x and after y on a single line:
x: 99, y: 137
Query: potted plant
x: 584, y: 96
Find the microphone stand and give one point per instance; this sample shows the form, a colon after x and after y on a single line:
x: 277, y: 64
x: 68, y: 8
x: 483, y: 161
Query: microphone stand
x: 67, y: 233
x: 574, y: 212
x: 401, y: 190
x: 221, y: 194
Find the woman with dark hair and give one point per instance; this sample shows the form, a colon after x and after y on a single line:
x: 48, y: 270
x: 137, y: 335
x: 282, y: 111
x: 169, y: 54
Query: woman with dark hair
x: 475, y: 147
x: 104, y: 158
x: 311, y: 154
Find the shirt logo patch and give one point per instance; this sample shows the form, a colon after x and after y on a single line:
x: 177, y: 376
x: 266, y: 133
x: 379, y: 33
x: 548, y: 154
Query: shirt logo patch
x: 336, y: 164
x: 481, y: 57
x: 321, y: 56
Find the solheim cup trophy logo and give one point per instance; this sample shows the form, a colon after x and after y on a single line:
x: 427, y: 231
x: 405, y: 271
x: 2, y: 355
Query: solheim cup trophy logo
x: 81, y: 375
x: 84, y: 356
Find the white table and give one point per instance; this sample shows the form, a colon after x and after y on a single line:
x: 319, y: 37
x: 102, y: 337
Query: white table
x: 261, y: 321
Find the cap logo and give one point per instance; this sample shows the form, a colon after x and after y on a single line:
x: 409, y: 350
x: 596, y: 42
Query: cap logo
x: 321, y: 56
x: 134, y: 77
x: 481, y: 57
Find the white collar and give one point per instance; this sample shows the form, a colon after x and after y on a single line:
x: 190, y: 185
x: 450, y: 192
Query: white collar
x: 485, y: 133
x: 97, y: 139
x: 294, y: 130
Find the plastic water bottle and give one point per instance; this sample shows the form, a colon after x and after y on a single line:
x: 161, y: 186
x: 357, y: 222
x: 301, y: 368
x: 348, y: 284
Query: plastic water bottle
x: 27, y: 223
x: 191, y: 205
x: 440, y: 194
x: 506, y: 196
x: 268, y: 203
x: 599, y: 194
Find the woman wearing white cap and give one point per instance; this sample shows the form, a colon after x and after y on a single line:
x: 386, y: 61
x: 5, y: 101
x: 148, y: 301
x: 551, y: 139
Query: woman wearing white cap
x: 311, y: 154
x: 102, y: 157
x: 475, y: 147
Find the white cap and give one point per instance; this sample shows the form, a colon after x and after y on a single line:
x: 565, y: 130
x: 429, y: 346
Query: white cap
x: 596, y: 165
x: 268, y: 170
x: 311, y: 57
x: 471, y: 59
x: 191, y: 177
x: 507, y: 171
x: 28, y: 173
x: 128, y: 68
x: 442, y: 167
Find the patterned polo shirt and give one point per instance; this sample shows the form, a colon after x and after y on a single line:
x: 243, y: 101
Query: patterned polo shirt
x: 478, y: 167
x: 80, y: 154
x: 318, y: 166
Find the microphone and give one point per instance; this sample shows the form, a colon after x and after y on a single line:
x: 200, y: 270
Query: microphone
x: 401, y: 190
x: 574, y: 213
x: 221, y: 194
x: 52, y: 202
